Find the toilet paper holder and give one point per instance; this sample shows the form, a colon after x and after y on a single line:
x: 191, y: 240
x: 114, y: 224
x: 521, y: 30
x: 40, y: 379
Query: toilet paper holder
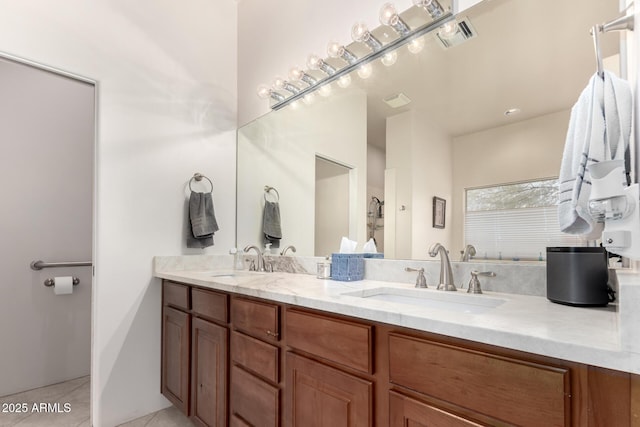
x: 51, y: 281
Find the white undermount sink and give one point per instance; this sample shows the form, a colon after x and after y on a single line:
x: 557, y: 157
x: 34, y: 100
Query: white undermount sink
x: 428, y: 298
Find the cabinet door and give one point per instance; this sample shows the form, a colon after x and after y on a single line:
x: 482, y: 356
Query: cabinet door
x: 404, y: 411
x: 321, y: 396
x: 209, y: 373
x: 175, y: 357
x: 253, y: 401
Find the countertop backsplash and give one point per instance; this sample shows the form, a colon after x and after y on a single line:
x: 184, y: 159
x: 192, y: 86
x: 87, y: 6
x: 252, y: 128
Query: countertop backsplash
x: 527, y: 278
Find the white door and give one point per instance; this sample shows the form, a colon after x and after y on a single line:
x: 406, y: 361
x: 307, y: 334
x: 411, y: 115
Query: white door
x: 47, y: 133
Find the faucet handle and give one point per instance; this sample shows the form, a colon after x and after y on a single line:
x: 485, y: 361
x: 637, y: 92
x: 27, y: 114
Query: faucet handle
x: 421, y: 281
x: 474, y: 283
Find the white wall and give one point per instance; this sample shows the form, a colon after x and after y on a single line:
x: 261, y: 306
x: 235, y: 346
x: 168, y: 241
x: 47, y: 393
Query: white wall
x: 522, y: 151
x: 167, y: 108
x: 280, y: 149
x: 420, y: 154
x: 46, y: 182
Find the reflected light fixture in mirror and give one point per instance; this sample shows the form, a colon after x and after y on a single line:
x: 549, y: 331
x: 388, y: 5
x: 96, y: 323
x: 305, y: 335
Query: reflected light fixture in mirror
x: 344, y: 81
x: 416, y: 45
x: 389, y: 58
x: 365, y: 70
x: 325, y: 90
x: 285, y: 92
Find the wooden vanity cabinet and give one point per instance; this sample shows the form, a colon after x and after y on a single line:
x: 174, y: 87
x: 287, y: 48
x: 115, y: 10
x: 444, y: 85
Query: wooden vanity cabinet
x: 195, y: 341
x: 255, y: 356
x: 176, y: 329
x: 322, y: 387
x: 270, y: 364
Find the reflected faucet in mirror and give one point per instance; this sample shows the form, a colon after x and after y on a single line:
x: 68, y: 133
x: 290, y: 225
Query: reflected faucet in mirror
x: 254, y: 267
x: 284, y: 251
x: 446, y: 274
x: 468, y: 252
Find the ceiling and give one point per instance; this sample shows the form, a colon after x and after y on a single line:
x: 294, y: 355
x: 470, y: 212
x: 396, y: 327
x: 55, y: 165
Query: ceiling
x: 536, y: 55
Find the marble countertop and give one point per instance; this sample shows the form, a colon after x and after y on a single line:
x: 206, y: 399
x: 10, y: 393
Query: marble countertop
x: 521, y: 322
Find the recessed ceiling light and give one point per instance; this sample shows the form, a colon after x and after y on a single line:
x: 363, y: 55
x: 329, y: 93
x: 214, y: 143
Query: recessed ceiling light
x: 397, y: 100
x: 512, y: 112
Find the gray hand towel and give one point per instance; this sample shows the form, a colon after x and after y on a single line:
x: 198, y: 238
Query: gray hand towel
x: 271, y: 223
x: 202, y: 219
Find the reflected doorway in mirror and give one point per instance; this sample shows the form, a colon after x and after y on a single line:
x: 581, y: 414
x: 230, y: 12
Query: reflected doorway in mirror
x: 439, y: 211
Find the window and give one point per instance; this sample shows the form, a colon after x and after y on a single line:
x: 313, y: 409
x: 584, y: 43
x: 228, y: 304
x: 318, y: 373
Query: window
x: 515, y: 221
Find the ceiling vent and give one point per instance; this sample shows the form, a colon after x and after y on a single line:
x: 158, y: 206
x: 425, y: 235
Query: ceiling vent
x: 397, y: 100
x: 465, y: 31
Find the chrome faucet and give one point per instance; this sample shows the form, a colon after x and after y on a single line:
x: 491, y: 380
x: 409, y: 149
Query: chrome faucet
x: 284, y: 251
x: 474, y: 283
x: 421, y: 281
x: 260, y: 266
x: 446, y: 274
x: 468, y: 252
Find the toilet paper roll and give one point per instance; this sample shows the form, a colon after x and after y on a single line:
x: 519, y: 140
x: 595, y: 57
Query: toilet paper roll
x: 63, y: 285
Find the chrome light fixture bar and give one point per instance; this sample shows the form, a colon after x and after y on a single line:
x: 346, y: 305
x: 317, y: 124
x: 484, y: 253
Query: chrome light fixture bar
x: 440, y: 18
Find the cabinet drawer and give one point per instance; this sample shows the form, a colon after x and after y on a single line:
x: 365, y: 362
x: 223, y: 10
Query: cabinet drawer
x: 209, y: 304
x: 341, y: 341
x: 515, y: 391
x: 404, y: 411
x: 253, y: 400
x: 257, y: 356
x: 175, y: 294
x: 256, y: 318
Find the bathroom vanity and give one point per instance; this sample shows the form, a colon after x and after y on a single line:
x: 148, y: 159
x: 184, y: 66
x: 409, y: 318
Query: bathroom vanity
x: 271, y: 349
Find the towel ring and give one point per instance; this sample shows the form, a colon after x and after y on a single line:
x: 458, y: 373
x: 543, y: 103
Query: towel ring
x: 268, y: 189
x: 198, y: 177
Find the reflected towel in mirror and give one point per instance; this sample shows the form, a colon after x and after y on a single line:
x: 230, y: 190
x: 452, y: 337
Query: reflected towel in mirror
x: 271, y: 223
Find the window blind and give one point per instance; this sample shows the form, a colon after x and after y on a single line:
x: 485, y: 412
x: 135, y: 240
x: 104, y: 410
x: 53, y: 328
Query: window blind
x: 521, y: 233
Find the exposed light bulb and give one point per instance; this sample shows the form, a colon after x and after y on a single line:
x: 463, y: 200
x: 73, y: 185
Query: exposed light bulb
x: 365, y: 71
x: 389, y: 58
x: 265, y: 92
x: 278, y: 83
x: 295, y: 105
x: 432, y: 7
x: 335, y: 49
x: 344, y: 81
x: 325, y: 90
x: 314, y: 62
x: 448, y: 30
x: 416, y: 45
x: 295, y: 73
x: 309, y: 98
x: 388, y: 14
x: 360, y: 32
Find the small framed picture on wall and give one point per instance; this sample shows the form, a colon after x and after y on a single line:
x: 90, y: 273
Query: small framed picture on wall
x: 439, y: 211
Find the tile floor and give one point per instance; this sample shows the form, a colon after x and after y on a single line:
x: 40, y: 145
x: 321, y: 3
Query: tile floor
x: 72, y: 397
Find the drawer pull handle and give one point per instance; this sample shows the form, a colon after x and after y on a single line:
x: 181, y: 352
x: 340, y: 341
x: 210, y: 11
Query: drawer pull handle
x: 273, y: 334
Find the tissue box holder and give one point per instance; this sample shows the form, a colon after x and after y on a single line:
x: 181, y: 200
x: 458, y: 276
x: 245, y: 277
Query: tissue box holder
x: 376, y: 255
x: 347, y: 267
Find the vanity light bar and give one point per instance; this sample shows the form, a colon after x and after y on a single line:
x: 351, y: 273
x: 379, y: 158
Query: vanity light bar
x: 435, y: 10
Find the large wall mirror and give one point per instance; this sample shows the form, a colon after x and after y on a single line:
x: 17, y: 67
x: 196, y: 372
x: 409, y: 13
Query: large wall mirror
x: 419, y: 137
